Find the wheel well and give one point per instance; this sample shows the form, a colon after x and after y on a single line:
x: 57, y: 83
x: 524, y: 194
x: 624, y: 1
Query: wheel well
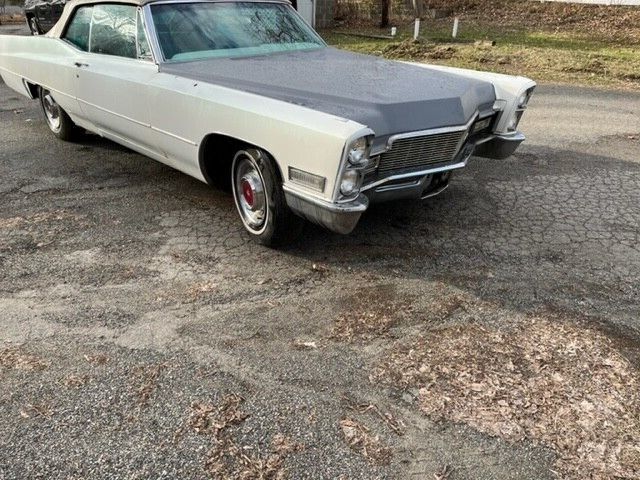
x: 33, y: 89
x: 216, y: 156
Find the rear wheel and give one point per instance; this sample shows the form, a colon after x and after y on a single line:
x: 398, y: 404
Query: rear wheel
x: 258, y: 194
x: 57, y: 119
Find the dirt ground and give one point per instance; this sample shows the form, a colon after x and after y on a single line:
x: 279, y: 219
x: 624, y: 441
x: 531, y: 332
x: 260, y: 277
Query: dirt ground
x: 490, y: 333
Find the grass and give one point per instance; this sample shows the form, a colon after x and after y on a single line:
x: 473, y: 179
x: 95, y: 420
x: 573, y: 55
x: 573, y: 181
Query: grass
x: 583, y: 53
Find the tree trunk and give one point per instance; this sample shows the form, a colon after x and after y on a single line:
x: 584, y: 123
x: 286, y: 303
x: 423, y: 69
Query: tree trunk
x: 386, y: 6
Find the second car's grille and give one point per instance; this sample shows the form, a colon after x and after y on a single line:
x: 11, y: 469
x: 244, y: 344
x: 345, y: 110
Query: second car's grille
x: 417, y: 152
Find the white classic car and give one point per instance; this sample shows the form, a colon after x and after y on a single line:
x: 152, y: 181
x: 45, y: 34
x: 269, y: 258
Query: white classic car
x: 246, y: 93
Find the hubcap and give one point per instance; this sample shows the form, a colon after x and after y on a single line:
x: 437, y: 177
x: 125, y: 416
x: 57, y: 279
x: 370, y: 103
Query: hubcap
x: 249, y: 193
x: 51, y: 110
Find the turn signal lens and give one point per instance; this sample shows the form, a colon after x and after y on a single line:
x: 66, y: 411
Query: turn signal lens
x: 481, y: 125
x: 307, y: 179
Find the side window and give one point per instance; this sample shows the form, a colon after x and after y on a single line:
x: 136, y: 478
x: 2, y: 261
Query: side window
x: 78, y: 30
x: 144, y: 52
x: 113, y: 30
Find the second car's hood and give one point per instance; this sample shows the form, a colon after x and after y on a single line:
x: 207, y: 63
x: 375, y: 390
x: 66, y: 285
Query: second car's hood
x: 389, y: 97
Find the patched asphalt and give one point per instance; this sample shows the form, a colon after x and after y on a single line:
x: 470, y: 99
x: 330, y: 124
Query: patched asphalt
x: 114, y: 267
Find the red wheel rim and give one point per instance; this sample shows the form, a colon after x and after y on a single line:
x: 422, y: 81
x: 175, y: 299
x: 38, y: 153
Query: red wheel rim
x: 247, y: 192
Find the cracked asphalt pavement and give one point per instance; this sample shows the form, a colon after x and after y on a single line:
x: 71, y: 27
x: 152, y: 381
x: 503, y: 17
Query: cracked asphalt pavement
x: 130, y: 296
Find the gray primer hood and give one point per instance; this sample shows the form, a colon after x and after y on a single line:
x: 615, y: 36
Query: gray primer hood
x: 389, y: 97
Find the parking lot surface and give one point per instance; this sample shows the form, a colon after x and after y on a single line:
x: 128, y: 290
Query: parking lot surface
x: 143, y: 335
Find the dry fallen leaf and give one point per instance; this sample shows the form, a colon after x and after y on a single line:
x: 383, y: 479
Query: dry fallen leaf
x: 360, y: 439
x: 444, y: 473
x: 545, y: 379
x: 228, y: 460
x: 17, y: 358
x: 305, y: 345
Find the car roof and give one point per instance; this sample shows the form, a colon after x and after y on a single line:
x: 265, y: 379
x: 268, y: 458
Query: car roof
x: 71, y: 5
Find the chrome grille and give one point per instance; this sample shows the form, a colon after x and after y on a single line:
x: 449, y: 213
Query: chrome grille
x: 423, y: 151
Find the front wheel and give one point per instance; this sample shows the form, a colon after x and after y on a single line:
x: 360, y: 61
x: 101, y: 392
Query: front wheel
x: 258, y: 194
x: 57, y: 119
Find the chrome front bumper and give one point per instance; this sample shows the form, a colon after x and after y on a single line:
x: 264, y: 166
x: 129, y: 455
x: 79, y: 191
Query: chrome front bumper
x: 343, y: 217
x: 337, y: 217
x: 499, y: 146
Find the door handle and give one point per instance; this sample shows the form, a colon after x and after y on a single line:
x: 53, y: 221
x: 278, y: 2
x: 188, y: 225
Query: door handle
x: 80, y: 64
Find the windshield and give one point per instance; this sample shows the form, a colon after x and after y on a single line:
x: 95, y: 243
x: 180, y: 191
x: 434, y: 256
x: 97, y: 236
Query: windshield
x: 191, y: 31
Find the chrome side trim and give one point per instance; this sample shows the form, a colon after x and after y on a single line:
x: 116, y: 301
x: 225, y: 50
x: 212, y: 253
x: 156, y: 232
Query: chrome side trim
x: 129, y: 119
x: 177, y: 137
x: 420, y: 173
x: 137, y: 122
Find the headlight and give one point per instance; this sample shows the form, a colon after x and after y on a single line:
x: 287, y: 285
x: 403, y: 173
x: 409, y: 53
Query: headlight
x: 523, y: 99
x: 350, y: 182
x: 358, y: 154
